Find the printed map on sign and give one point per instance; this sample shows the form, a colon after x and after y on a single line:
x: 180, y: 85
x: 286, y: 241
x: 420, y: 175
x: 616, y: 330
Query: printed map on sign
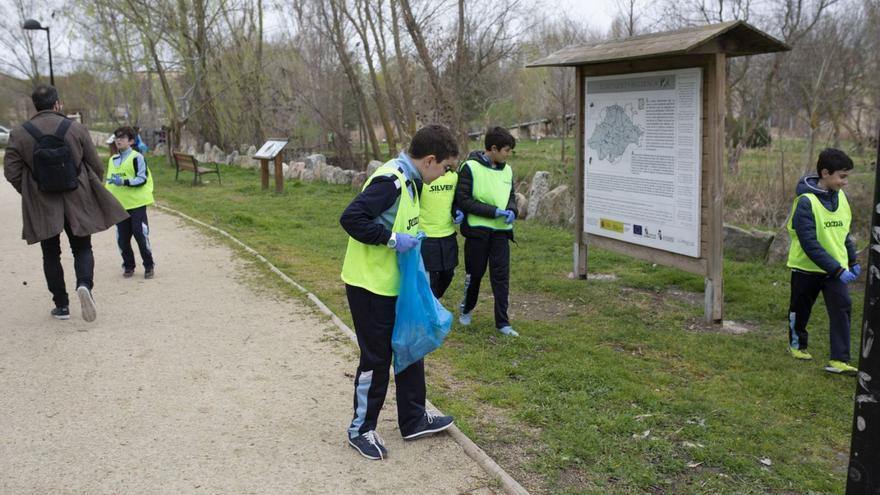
x: 614, y: 133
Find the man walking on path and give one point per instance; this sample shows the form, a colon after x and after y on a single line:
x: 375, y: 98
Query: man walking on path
x: 52, y: 163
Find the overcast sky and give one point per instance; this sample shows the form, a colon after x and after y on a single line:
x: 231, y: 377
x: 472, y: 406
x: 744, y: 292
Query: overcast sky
x: 595, y: 13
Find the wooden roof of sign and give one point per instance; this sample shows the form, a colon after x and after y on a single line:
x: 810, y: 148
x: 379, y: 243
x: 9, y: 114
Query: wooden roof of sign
x: 734, y: 38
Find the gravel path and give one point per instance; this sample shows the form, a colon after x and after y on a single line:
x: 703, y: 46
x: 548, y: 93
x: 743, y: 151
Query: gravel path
x: 193, y: 382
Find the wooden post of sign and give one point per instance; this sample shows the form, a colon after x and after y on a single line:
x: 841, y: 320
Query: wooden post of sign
x: 264, y: 174
x: 715, y: 72
x: 279, y: 175
x: 580, y: 245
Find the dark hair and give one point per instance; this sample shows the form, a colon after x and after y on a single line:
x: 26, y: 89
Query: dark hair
x: 125, y: 131
x: 434, y: 140
x: 44, y: 97
x: 499, y: 137
x: 832, y: 160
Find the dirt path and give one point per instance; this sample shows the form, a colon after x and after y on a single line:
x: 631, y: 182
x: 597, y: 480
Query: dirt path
x: 192, y: 382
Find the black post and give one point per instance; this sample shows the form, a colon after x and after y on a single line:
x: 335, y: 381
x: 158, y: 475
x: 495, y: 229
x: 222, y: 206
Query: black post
x: 51, y: 72
x: 864, y: 458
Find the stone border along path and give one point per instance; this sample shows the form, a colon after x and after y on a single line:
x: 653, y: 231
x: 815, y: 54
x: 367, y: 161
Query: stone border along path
x: 508, y: 484
x: 197, y: 381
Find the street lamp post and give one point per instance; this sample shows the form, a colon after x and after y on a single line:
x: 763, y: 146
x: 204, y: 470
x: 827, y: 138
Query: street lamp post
x: 31, y: 25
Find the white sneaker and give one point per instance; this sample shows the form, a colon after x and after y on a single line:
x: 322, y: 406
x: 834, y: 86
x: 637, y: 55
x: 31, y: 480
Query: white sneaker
x: 87, y: 303
x: 464, y: 319
x: 508, y: 330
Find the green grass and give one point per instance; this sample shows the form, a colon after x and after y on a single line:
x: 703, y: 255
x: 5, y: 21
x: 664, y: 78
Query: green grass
x: 565, y: 406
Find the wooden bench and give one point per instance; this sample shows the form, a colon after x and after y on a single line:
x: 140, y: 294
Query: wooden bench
x: 183, y: 161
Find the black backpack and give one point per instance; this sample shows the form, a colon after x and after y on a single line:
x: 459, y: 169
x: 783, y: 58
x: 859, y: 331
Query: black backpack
x: 54, y: 169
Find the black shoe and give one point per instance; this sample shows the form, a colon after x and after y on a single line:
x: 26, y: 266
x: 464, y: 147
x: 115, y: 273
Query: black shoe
x: 430, y: 424
x: 87, y: 303
x: 128, y: 273
x: 62, y: 313
x: 369, y: 445
x: 148, y: 273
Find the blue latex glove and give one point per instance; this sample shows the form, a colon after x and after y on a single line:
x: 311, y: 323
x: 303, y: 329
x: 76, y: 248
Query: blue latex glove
x: 511, y: 216
x: 847, y: 276
x: 405, y: 242
x: 856, y: 269
x: 500, y: 213
x: 459, y: 217
x: 115, y: 180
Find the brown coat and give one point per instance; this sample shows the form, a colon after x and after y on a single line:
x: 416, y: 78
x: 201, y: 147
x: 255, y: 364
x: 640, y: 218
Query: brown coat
x: 89, y: 208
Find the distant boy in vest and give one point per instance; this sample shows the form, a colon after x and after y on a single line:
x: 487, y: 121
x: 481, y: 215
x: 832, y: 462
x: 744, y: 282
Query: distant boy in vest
x: 382, y: 221
x: 132, y: 184
x: 438, y: 218
x: 822, y: 258
x: 485, y: 193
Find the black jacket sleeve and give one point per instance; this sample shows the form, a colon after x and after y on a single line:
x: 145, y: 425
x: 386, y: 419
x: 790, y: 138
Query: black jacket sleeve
x: 805, y: 228
x: 851, y: 250
x: 464, y: 195
x: 359, y: 218
x: 511, y: 201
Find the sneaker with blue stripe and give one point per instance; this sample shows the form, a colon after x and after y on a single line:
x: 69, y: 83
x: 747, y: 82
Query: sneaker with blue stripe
x: 369, y: 445
x: 430, y: 423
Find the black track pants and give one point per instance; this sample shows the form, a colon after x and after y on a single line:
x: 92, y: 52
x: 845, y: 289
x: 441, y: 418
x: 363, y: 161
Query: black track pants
x: 494, y: 252
x: 373, y: 317
x: 805, y: 288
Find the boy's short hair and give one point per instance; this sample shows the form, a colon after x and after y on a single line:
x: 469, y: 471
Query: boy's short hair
x: 832, y: 160
x: 44, y: 97
x: 434, y: 140
x: 499, y: 137
x: 126, y: 131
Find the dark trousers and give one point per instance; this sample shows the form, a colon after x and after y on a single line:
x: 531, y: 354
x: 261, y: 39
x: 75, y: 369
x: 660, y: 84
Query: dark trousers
x: 137, y: 226
x: 373, y: 317
x: 83, y: 264
x: 494, y: 251
x: 805, y: 288
x: 440, y: 281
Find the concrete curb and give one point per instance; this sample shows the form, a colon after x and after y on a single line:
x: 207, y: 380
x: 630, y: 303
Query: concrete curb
x: 508, y: 484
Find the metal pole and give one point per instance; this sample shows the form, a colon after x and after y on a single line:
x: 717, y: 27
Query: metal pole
x: 864, y: 457
x: 51, y: 72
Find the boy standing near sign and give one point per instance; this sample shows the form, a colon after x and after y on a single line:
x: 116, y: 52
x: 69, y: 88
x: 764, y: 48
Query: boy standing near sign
x: 382, y: 221
x: 438, y: 218
x: 132, y: 184
x: 485, y: 193
x: 822, y: 258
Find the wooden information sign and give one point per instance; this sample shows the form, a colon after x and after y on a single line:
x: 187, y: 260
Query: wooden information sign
x: 271, y: 150
x: 650, y: 145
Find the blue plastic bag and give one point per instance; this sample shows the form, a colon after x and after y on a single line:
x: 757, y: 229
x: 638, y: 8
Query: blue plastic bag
x: 422, y: 323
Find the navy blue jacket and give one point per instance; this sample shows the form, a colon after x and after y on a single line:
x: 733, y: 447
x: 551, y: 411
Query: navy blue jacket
x: 805, y: 226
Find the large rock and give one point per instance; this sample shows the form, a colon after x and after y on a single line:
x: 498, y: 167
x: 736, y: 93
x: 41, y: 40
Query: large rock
x: 217, y: 154
x: 232, y: 159
x: 742, y: 244
x: 315, y: 161
x: 251, y: 151
x: 372, y: 166
x: 359, y: 180
x: 540, y: 187
x: 522, y: 205
x: 522, y: 187
x: 556, y: 207
x: 778, y: 251
x: 307, y: 175
x: 159, y: 150
x: 296, y: 170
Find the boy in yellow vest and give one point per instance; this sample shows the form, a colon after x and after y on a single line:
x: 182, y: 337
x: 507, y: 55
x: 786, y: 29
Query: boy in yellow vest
x: 485, y: 193
x: 438, y: 218
x: 132, y: 184
x: 822, y: 258
x: 383, y: 220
